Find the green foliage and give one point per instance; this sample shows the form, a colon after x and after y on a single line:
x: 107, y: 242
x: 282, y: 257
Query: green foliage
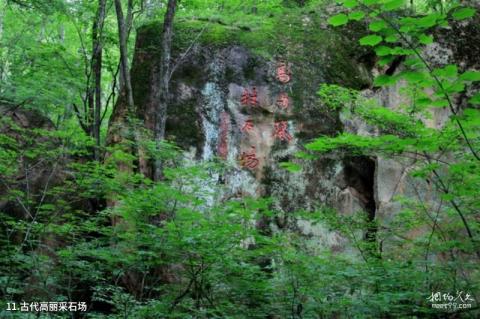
x: 463, y: 13
x: 339, y: 19
x: 336, y: 97
x: 371, y: 40
x: 444, y: 156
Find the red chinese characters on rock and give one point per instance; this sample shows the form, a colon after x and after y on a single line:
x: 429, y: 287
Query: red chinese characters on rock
x: 249, y: 159
x: 245, y: 99
x: 281, y: 131
x: 283, y: 101
x: 247, y: 126
x: 249, y: 98
x: 283, y: 72
x: 223, y: 135
x: 253, y: 97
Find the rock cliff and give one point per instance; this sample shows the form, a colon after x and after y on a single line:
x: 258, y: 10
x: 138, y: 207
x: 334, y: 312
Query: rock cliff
x: 255, y: 111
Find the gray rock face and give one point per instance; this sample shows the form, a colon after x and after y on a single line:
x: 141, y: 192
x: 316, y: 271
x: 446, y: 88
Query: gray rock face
x: 255, y: 113
x: 29, y: 173
x: 392, y: 178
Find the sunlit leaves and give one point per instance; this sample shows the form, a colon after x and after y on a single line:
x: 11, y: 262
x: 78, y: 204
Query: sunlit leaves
x: 427, y: 21
x: 419, y: 78
x: 356, y: 15
x: 338, y: 20
x: 439, y: 103
x: 377, y: 25
x: 414, y: 129
x: 393, y: 5
x: 350, y: 3
x: 371, y: 40
x: 463, y: 13
x: 449, y: 71
x: 383, y: 50
x: 471, y: 118
x: 420, y: 24
x: 391, y: 38
x: 354, y: 144
x: 470, y: 76
x: 425, y: 170
x: 454, y: 87
x: 401, y: 51
x: 475, y: 99
x: 336, y: 97
x: 425, y: 39
x: 386, y: 60
x: 384, y: 80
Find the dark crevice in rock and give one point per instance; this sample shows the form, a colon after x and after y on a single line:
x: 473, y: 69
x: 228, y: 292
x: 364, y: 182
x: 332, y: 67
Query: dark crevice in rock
x: 394, y: 65
x: 360, y: 175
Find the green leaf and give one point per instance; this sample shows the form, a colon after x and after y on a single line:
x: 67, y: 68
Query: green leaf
x: 456, y: 88
x: 401, y: 51
x: 450, y: 71
x: 428, y: 21
x: 463, y: 13
x: 377, y: 25
x: 383, y: 50
x: 349, y: 3
x: 412, y: 76
x: 371, y: 40
x: 394, y: 4
x: 425, y: 39
x: 405, y: 28
x: 471, y: 76
x: 386, y: 80
x: 443, y: 24
x: 475, y: 99
x: 413, y: 62
x: 440, y: 103
x: 391, y: 38
x: 423, y: 101
x: 356, y: 15
x: 384, y: 60
x: 338, y: 20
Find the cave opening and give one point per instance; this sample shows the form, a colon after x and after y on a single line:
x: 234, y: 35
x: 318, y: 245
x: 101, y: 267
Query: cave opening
x: 360, y: 175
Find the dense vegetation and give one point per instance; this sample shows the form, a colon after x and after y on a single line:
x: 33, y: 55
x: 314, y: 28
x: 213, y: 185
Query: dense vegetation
x: 80, y: 222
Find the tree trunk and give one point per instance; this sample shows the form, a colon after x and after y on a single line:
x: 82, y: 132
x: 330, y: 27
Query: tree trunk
x: 129, y: 22
x: 97, y: 35
x: 162, y: 104
x: 122, y: 36
x: 128, y: 26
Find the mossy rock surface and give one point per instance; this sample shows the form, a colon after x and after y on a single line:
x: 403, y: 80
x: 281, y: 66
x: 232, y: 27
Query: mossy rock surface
x: 306, y: 41
x: 318, y: 54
